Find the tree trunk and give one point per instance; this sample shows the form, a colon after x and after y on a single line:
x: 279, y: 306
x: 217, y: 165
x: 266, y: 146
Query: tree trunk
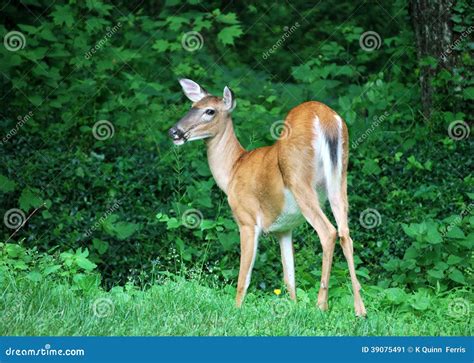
x: 433, y: 33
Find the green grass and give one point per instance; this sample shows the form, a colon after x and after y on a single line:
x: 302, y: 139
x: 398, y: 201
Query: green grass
x: 188, y: 308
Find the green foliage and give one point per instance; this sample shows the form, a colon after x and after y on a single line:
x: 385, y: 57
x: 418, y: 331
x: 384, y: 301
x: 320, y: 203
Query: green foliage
x: 72, y: 267
x: 121, y: 64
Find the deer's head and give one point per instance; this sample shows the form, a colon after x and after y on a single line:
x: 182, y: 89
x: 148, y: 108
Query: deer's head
x: 208, y: 115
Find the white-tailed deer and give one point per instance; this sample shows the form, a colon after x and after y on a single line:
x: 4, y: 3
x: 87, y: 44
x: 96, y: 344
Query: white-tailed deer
x: 272, y: 188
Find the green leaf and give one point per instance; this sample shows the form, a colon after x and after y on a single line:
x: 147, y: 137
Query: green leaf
x: 124, y: 230
x: 396, y: 295
x: 28, y: 28
x: 433, y: 236
x: 454, y: 260
x: 371, y: 167
x: 6, y: 185
x: 29, y: 199
x: 63, y: 15
x: 36, y: 100
x: 420, y: 302
x: 86, y: 282
x: 51, y: 269
x: 469, y: 93
x: 392, y: 265
x: 468, y: 242
x: 437, y: 274
x: 207, y: 224
x: 229, y: 18
x: 455, y: 232
x: 173, y: 223
x: 457, y: 276
x: 34, y: 276
x: 14, y: 250
x: 175, y: 22
x: 84, y: 263
x: 227, y: 35
x: 100, y: 246
x: 228, y: 240
x: 161, y: 45
x: 411, y: 252
x: 440, y: 265
x: 429, y: 61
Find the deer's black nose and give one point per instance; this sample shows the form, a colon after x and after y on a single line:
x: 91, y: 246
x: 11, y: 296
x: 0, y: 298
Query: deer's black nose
x: 175, y: 133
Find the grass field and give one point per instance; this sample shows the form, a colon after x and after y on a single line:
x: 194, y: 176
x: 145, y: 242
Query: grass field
x: 188, y: 308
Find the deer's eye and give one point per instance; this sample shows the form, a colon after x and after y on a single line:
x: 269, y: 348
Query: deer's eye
x: 210, y: 112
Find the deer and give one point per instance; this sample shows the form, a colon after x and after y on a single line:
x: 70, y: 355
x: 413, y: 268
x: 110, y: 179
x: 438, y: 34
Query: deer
x: 274, y: 189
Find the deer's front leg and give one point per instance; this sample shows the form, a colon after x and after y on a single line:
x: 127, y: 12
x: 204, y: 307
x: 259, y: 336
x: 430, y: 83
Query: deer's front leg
x: 248, y: 250
x: 288, y: 261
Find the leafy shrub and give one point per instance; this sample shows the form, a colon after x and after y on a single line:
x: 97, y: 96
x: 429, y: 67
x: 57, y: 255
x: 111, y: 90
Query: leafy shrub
x: 103, y: 195
x: 70, y: 267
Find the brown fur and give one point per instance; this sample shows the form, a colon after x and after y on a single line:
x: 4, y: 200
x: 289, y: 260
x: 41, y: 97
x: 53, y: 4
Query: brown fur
x: 254, y: 182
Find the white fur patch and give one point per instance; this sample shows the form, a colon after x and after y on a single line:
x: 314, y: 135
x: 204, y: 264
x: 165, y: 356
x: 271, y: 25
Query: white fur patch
x: 255, y: 247
x: 327, y: 176
x: 290, y: 217
x: 286, y: 247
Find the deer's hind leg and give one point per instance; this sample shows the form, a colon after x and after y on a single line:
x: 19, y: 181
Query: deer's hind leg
x: 307, y: 199
x: 340, y: 206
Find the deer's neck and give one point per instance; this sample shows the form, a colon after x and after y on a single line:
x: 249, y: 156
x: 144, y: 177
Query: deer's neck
x: 223, y: 150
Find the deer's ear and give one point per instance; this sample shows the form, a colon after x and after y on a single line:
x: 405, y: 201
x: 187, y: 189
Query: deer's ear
x: 192, y: 90
x: 229, y: 99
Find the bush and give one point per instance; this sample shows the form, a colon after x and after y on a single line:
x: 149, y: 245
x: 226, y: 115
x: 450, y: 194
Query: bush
x: 87, y: 151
